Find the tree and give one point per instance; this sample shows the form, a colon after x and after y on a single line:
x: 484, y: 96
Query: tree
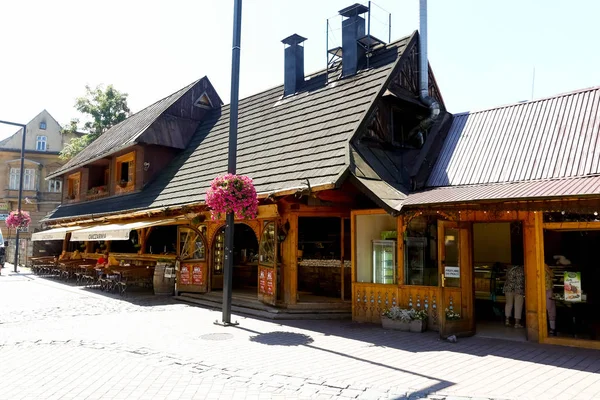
x: 105, y: 107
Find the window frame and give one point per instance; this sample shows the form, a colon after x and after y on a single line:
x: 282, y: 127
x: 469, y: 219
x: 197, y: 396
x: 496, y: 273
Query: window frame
x: 72, y: 181
x: 43, y: 125
x: 129, y: 158
x: 29, y: 179
x: 56, y: 183
x: 41, y: 140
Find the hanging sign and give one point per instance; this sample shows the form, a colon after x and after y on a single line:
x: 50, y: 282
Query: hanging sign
x: 452, y: 272
x: 572, y: 286
x: 184, y: 274
x: 197, y: 276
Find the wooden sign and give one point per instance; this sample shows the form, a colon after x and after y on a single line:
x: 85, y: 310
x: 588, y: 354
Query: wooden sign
x: 185, y: 274
x: 197, y: 276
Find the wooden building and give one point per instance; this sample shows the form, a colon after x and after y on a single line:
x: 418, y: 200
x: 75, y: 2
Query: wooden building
x: 371, y: 194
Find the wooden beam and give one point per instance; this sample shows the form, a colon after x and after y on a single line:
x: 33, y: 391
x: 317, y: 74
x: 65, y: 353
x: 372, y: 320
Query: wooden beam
x: 580, y: 226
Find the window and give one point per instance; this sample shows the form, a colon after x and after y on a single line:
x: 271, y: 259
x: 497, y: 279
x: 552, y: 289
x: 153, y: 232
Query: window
x: 40, y: 143
x: 29, y: 179
x: 43, y: 126
x: 421, y: 252
x: 406, y: 130
x: 125, y: 173
x: 73, y: 183
x: 55, y: 186
x: 376, y: 245
x: 266, y: 250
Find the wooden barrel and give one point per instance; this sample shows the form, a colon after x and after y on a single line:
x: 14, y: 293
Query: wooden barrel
x: 163, y: 285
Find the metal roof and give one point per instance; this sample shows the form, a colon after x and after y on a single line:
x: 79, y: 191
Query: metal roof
x: 540, y: 189
x: 556, y: 137
x: 283, y: 142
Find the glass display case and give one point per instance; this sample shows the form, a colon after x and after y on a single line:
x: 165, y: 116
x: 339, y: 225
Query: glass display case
x: 489, y: 281
x: 384, y: 261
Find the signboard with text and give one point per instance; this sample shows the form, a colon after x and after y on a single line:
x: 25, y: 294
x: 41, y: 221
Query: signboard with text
x: 197, y: 276
x: 184, y: 274
x: 452, y: 272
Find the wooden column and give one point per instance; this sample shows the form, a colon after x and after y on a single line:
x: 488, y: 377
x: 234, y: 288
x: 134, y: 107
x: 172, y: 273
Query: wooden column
x: 533, y: 242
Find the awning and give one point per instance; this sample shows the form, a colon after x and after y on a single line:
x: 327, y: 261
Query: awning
x: 114, y: 231
x: 53, y: 234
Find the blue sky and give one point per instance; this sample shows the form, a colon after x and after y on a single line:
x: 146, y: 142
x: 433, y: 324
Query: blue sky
x: 482, y: 52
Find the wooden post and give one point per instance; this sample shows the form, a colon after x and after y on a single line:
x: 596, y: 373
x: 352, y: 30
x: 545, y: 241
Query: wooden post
x: 342, y: 270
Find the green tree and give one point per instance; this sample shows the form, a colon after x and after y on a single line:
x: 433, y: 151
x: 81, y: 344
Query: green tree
x: 104, y: 107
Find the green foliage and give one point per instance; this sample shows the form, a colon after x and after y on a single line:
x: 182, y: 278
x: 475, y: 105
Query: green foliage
x: 105, y: 108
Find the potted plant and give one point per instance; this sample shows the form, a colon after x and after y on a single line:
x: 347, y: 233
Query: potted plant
x: 396, y: 318
x: 451, y: 315
x: 18, y: 219
x: 419, y: 321
x: 232, y: 193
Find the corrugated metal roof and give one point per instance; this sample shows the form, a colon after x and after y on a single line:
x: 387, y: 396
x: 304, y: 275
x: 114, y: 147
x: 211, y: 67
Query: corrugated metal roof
x: 540, y: 189
x: 556, y: 137
x: 282, y: 141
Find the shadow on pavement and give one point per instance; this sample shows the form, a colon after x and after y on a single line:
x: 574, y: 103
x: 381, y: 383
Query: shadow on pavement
x: 282, y: 339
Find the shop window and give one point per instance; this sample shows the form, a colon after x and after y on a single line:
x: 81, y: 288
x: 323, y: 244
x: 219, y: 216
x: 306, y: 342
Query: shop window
x: 73, y: 186
x: 267, y: 245
x: 376, y: 260
x: 125, y: 172
x: 420, y: 252
x: 571, y: 283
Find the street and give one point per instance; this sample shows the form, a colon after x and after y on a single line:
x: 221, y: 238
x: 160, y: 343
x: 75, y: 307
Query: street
x: 61, y: 341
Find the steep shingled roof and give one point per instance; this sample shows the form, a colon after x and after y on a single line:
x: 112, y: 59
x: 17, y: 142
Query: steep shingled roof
x: 282, y: 142
x: 124, y: 134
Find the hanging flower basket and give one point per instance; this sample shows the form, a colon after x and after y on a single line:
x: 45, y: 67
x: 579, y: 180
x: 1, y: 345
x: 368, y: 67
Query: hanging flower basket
x: 18, y: 220
x: 232, y: 193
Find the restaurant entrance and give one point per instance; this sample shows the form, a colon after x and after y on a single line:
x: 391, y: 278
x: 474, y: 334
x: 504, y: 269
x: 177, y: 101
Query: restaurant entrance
x: 245, y: 260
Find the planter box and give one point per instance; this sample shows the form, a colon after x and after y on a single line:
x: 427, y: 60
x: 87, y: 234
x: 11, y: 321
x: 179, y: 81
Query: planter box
x: 418, y: 325
x: 396, y: 325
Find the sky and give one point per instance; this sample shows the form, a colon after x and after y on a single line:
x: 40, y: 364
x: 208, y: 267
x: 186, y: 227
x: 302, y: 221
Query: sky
x: 483, y: 53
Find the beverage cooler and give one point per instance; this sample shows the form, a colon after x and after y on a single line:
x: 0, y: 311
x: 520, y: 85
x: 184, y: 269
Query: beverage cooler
x: 384, y: 261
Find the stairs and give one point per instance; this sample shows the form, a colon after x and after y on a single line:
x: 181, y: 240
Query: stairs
x: 249, y: 305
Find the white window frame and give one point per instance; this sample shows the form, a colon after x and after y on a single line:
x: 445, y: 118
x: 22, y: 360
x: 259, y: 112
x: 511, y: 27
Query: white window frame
x: 41, y: 143
x: 55, y: 186
x: 29, y: 179
x: 43, y: 125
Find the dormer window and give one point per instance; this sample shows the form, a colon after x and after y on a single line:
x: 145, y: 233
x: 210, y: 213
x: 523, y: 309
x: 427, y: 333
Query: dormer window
x: 41, y: 142
x: 73, y: 186
x: 406, y: 132
x: 125, y: 172
x: 43, y: 126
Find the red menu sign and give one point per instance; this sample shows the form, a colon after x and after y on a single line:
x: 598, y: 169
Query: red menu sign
x: 197, y: 277
x: 270, y: 282
x: 184, y: 274
x: 262, y: 281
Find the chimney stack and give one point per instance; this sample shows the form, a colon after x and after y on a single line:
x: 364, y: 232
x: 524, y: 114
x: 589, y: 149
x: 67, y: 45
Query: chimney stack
x: 353, y: 28
x: 294, y: 64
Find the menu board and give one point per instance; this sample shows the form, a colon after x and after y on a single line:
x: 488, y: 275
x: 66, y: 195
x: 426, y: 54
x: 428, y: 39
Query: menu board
x: 270, y: 274
x: 197, y: 276
x: 572, y: 286
x: 184, y: 274
x: 262, y: 281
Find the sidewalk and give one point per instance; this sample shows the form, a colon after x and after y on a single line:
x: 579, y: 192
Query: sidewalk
x: 63, y: 341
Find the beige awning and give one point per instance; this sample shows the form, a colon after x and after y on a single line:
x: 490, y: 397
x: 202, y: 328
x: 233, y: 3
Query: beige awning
x: 114, y: 231
x: 53, y: 234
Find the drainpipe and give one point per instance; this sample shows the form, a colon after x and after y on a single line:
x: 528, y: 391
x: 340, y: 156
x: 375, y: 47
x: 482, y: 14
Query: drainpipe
x: 434, y: 107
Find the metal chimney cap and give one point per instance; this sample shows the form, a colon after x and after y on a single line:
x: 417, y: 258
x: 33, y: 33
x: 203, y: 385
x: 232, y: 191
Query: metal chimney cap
x: 354, y: 10
x: 293, y: 39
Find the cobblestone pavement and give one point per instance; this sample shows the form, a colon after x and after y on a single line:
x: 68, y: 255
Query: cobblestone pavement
x: 59, y: 341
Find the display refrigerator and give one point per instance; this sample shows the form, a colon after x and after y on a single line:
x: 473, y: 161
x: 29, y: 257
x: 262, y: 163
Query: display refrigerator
x: 384, y: 261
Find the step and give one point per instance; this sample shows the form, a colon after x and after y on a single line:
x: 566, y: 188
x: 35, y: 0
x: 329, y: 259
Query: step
x: 266, y: 311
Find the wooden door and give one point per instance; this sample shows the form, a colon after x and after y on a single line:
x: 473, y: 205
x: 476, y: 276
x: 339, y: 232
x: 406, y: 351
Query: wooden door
x: 267, y: 263
x: 456, y: 278
x: 192, y: 274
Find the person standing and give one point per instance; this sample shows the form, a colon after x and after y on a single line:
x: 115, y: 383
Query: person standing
x: 3, y: 253
x: 514, y: 291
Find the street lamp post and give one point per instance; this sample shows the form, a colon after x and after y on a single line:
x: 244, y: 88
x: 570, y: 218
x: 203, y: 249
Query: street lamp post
x: 231, y: 159
x: 21, y: 172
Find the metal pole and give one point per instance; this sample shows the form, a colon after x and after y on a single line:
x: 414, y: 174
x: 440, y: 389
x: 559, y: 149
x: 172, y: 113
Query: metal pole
x: 21, y: 173
x: 231, y: 161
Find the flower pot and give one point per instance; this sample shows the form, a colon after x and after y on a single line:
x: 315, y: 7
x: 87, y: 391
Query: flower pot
x: 418, y: 325
x: 394, y: 324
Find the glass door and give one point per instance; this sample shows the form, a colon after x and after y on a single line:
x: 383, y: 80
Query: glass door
x: 456, y: 279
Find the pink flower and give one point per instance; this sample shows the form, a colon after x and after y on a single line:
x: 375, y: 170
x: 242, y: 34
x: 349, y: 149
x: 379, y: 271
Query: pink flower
x: 16, y: 219
x: 232, y: 193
